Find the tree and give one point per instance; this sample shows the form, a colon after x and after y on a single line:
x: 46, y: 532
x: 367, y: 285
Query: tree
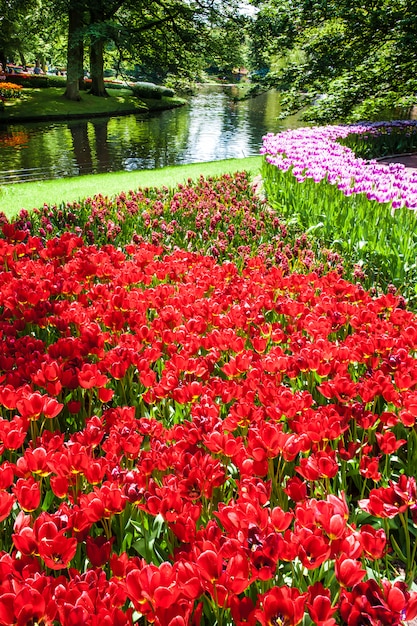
x: 101, y: 30
x: 171, y: 35
x: 18, y: 28
x: 160, y: 36
x: 75, y: 49
x: 345, y: 59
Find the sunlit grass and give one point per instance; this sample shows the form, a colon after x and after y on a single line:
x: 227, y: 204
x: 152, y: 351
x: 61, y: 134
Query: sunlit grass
x: 50, y: 102
x: 35, y: 194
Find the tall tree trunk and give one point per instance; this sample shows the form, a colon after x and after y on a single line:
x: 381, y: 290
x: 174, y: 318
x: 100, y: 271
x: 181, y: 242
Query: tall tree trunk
x: 97, y: 68
x: 75, y: 69
x: 3, y: 57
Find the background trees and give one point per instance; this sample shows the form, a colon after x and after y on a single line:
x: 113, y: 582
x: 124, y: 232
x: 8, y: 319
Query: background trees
x: 347, y: 60
x: 18, y: 28
x: 151, y: 38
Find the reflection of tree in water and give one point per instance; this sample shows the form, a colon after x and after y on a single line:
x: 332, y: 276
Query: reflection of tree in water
x: 81, y: 146
x: 91, y: 146
x: 104, y: 161
x: 148, y: 142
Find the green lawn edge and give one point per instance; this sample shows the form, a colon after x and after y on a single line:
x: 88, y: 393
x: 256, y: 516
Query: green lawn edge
x: 37, y: 104
x: 33, y: 195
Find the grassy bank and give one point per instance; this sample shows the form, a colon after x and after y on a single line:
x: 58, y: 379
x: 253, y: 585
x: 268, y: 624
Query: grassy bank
x: 35, y: 194
x: 50, y: 103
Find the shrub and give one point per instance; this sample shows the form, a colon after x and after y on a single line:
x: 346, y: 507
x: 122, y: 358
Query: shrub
x: 151, y: 91
x: 116, y: 85
x: 56, y: 81
x: 30, y: 80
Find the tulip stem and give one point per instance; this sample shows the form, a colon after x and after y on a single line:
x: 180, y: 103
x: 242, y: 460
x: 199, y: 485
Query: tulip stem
x: 410, y: 568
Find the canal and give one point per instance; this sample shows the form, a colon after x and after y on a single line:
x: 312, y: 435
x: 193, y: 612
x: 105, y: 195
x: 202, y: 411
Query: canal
x: 212, y: 126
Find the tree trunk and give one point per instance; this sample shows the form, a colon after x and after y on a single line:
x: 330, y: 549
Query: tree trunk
x: 3, y: 58
x: 97, y: 68
x: 75, y: 69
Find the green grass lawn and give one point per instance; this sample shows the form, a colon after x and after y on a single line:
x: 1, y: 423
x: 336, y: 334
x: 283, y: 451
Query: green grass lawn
x: 50, y: 103
x: 34, y: 194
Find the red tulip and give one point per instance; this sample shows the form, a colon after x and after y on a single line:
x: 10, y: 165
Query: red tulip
x: 6, y: 503
x: 319, y: 605
x: 349, y: 572
x: 98, y: 550
x: 281, y: 605
x: 28, y: 494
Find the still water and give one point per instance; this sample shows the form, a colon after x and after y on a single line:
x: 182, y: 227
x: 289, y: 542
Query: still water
x: 212, y: 126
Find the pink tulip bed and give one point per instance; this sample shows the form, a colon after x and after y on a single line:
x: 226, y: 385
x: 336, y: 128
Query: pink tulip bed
x: 202, y: 421
x: 328, y: 179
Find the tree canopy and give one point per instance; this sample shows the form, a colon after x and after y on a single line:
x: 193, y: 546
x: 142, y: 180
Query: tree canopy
x: 154, y: 37
x: 346, y: 60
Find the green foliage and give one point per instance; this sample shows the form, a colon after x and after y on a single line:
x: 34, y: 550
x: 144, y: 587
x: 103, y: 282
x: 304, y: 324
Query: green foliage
x: 383, y: 107
x: 55, y: 81
x: 384, y: 143
x: 110, y: 84
x: 357, y: 61
x: 150, y: 90
x: 180, y: 84
x: 157, y: 38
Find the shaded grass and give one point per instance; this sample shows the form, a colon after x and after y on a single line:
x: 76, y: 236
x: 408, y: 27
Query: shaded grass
x: 34, y: 194
x: 50, y: 103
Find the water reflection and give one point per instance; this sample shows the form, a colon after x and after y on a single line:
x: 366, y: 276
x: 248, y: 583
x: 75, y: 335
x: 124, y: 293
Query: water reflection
x: 212, y: 126
x: 81, y: 147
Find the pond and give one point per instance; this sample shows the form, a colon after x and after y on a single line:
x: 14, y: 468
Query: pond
x: 212, y: 126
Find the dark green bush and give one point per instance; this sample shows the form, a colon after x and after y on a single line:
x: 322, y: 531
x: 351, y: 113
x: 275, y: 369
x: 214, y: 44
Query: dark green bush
x: 56, y: 81
x: 30, y: 80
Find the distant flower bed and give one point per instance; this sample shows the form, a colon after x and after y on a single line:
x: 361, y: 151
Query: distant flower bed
x: 221, y: 217
x: 364, y: 208
x: 9, y: 90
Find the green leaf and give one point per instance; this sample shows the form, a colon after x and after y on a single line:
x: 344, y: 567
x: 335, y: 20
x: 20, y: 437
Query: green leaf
x: 397, y: 549
x: 137, y: 526
x: 143, y: 547
x: 158, y: 526
x: 49, y: 498
x: 315, y: 227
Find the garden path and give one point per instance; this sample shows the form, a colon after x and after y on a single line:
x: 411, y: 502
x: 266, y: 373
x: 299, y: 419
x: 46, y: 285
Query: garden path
x: 409, y: 160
